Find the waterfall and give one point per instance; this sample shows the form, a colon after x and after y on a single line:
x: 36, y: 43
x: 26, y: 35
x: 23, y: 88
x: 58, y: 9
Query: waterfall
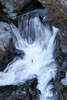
x: 37, y: 42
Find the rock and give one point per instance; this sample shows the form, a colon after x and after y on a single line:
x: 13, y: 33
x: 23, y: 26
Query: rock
x: 2, y: 14
x: 64, y: 81
x: 64, y: 92
x: 57, y: 16
x: 26, y: 91
x: 4, y: 36
x: 60, y: 5
x: 61, y: 80
x: 12, y: 6
x: 8, y: 55
x: 1, y: 52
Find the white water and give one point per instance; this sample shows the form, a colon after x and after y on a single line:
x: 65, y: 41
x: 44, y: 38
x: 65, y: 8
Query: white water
x: 37, y: 62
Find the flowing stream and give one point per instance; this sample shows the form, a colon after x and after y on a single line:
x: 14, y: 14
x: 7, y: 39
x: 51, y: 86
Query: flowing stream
x: 37, y: 42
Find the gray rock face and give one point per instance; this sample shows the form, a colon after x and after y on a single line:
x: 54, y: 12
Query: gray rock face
x: 4, y: 36
x: 60, y: 5
x: 64, y: 81
x: 12, y: 6
x: 63, y: 38
x: 57, y: 16
x: 26, y: 91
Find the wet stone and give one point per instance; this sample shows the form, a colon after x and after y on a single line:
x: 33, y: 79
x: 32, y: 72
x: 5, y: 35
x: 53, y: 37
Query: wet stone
x: 61, y: 60
x: 7, y: 56
x: 27, y: 91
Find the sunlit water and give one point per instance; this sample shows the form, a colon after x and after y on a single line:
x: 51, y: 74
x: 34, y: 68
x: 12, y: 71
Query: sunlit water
x: 38, y: 60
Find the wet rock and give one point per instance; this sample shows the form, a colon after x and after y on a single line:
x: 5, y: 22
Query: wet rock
x: 61, y: 79
x: 64, y: 81
x: 8, y: 8
x: 62, y: 34
x: 35, y: 5
x: 64, y: 92
x: 63, y: 37
x: 7, y: 55
x: 4, y: 36
x: 12, y: 6
x: 60, y: 5
x: 2, y: 15
x: 57, y: 16
x: 61, y: 60
x: 26, y: 91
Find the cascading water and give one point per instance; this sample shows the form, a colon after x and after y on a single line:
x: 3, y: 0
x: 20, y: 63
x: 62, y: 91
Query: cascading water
x: 37, y: 42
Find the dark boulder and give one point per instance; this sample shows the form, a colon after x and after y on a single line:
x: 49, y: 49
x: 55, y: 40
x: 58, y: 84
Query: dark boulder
x: 26, y: 91
x: 57, y: 16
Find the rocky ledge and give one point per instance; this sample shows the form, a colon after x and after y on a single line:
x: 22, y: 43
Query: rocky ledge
x: 57, y: 16
x: 26, y: 91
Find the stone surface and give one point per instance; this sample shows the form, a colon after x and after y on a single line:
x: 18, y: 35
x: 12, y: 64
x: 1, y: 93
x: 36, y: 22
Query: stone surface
x: 12, y: 6
x: 61, y: 78
x: 60, y: 5
x: 8, y: 55
x: 57, y: 16
x: 64, y: 81
x: 4, y: 36
x: 26, y: 91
